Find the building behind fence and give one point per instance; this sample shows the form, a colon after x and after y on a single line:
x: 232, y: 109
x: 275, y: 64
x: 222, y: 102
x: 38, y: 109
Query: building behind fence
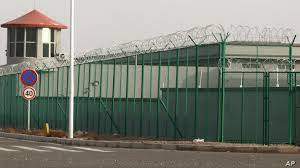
x: 217, y: 87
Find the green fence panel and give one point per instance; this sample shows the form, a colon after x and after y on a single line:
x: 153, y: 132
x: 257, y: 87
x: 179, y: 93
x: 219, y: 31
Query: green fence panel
x: 181, y: 93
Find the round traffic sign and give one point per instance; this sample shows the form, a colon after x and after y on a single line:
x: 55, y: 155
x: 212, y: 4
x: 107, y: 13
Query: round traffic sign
x: 29, y: 93
x: 29, y: 77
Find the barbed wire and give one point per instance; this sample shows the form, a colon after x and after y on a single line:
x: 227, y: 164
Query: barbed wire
x: 253, y: 65
x: 195, y: 36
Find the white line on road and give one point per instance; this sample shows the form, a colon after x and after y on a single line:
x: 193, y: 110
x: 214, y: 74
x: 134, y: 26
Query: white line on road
x: 31, y: 149
x: 92, y: 149
x: 60, y: 149
x: 8, y: 150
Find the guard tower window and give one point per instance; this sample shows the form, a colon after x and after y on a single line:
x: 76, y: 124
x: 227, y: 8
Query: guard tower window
x: 52, y: 35
x: 31, y: 50
x: 52, y: 43
x: 12, y: 49
x: 20, y: 50
x: 12, y: 35
x: 12, y: 42
x: 31, y: 35
x: 20, y: 34
x: 48, y: 42
x: 45, y: 50
x: 23, y: 42
x: 31, y: 42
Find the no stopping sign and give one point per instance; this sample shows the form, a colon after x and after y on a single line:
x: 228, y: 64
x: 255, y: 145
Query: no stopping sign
x: 29, y: 77
x: 29, y: 93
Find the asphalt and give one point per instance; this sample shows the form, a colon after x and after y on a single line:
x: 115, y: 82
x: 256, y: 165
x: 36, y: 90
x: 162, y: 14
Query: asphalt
x: 26, y: 154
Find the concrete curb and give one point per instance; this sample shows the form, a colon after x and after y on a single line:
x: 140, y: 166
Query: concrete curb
x: 244, y: 148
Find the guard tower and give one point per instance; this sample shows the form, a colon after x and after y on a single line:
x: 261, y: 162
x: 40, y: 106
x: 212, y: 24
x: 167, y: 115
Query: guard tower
x: 32, y: 36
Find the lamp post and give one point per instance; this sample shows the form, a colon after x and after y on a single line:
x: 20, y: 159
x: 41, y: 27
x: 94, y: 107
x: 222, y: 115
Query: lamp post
x: 71, y: 104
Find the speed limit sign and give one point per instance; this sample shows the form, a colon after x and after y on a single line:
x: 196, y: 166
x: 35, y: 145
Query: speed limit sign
x: 29, y: 93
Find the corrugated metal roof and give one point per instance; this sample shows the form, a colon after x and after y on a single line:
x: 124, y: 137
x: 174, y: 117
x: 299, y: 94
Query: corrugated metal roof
x: 34, y: 19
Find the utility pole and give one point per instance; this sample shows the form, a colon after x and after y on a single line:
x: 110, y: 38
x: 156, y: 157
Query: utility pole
x: 71, y: 108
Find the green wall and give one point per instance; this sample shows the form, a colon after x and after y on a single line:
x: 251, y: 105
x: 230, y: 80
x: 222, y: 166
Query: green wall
x: 243, y: 113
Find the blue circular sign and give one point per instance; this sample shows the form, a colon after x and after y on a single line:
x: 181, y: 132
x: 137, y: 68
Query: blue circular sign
x: 29, y: 77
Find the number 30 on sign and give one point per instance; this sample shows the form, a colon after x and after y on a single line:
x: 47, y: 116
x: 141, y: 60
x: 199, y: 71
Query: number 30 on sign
x: 29, y: 93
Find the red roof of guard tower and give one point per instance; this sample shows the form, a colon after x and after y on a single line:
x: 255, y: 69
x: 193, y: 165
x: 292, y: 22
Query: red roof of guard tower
x: 34, y: 19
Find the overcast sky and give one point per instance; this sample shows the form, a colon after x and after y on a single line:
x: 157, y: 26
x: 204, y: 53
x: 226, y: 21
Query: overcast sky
x: 103, y: 23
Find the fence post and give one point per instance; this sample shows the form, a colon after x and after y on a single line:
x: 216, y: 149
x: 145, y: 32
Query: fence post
x: 257, y: 98
x: 48, y: 97
x: 168, y: 89
x: 142, y: 96
x: 106, y: 92
x: 266, y: 109
x: 95, y: 124
x: 53, y: 112
x: 83, y: 98
x: 222, y: 97
x: 62, y: 113
x: 196, y: 91
x: 127, y: 87
x: 77, y: 98
x: 100, y: 96
x: 222, y: 55
x: 206, y: 122
x: 88, y: 98
x: 186, y: 80
x: 56, y: 106
x: 16, y: 101
x: 120, y: 108
x: 176, y: 96
x: 113, y: 96
x: 1, y: 101
x: 290, y: 77
x: 158, y: 95
x: 134, y: 85
x: 150, y: 88
x: 4, y: 91
x: 67, y: 99
x: 3, y: 81
x: 242, y: 106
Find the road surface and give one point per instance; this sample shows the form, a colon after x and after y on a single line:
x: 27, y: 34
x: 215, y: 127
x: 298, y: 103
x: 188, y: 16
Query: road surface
x: 26, y: 154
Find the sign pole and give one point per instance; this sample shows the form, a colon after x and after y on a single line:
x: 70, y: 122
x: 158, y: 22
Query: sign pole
x: 28, y: 94
x: 29, y: 77
x: 72, y: 52
x: 28, y: 115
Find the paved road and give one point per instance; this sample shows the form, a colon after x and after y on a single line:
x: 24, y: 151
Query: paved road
x: 25, y: 154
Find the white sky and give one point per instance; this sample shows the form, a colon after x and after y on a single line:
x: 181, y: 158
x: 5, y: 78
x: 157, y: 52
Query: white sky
x: 102, y: 23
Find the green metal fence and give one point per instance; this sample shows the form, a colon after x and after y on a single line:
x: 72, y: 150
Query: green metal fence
x: 176, y: 94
